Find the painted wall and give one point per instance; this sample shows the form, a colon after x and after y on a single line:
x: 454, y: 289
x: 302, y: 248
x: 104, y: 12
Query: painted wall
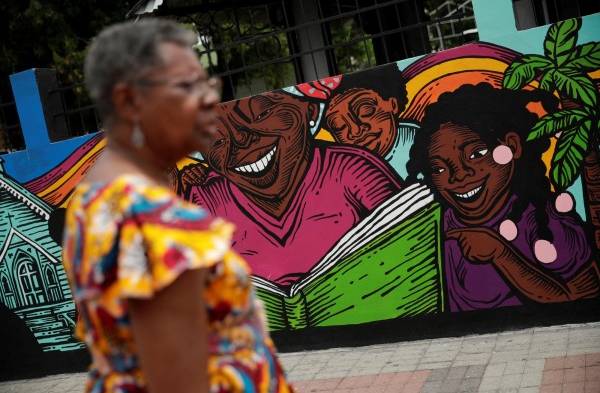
x: 351, y: 207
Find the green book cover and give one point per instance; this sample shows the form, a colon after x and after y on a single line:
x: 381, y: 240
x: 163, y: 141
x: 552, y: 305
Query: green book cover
x: 387, y: 266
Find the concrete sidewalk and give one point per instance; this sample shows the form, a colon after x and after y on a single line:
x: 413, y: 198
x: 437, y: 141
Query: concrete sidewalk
x: 559, y: 359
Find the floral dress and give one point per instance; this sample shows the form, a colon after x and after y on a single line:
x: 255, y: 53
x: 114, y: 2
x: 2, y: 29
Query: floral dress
x: 128, y: 239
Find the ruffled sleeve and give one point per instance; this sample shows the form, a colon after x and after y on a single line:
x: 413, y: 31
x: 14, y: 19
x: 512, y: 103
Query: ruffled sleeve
x: 158, y: 238
x: 151, y: 255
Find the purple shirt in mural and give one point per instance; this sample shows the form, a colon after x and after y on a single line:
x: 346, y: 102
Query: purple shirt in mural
x: 341, y: 186
x: 475, y: 286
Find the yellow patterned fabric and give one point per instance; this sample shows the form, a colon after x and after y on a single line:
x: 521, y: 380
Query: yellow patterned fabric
x: 129, y: 238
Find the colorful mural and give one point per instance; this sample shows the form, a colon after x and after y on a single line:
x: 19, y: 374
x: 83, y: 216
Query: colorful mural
x: 463, y: 180
x: 33, y: 283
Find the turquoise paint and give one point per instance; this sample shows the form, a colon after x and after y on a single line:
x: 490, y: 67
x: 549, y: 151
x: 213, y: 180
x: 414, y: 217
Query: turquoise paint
x: 25, y: 239
x: 493, y: 18
x: 577, y: 191
x: 495, y: 21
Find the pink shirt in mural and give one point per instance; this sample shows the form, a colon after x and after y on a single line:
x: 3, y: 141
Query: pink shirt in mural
x: 341, y: 185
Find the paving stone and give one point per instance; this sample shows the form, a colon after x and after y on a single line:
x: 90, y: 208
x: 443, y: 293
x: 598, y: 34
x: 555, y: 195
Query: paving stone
x: 438, y: 374
x: 576, y: 387
x: 494, y: 370
x: 431, y: 387
x: 592, y: 386
x: 451, y: 386
x: 551, y: 388
x: 475, y: 371
x: 490, y: 383
x: 562, y: 359
x: 432, y: 366
x: 470, y: 385
x: 531, y: 379
x: 516, y: 367
x: 529, y: 390
x: 512, y: 381
x: 456, y: 373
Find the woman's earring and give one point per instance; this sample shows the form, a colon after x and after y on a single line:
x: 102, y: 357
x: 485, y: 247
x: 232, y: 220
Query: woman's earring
x: 502, y: 154
x: 137, y: 137
x: 311, y: 123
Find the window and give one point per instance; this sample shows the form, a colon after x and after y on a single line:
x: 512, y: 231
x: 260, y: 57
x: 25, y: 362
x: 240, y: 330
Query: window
x: 30, y: 281
x: 262, y: 45
x: 53, y: 290
x: 11, y: 136
x: 6, y: 286
x: 7, y: 292
x: 265, y: 45
x: 50, y: 276
x: 533, y: 13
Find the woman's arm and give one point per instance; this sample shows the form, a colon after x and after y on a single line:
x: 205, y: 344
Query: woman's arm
x: 482, y: 245
x: 532, y: 281
x: 540, y: 285
x: 171, y: 334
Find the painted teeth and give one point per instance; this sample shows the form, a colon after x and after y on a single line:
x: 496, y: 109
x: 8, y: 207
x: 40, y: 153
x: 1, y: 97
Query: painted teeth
x: 469, y: 194
x: 258, y: 166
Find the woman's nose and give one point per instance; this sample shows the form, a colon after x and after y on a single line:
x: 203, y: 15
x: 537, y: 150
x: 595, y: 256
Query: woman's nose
x: 211, y: 94
x: 356, y: 130
x: 460, y: 172
x: 211, y: 98
x: 241, y: 137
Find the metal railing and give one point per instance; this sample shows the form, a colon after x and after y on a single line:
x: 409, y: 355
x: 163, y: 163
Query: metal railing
x: 533, y: 13
x: 274, y: 44
x: 11, y: 135
x: 78, y: 114
x: 265, y: 45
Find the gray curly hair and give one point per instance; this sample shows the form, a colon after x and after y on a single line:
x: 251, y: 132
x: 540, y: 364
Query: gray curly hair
x: 121, y: 52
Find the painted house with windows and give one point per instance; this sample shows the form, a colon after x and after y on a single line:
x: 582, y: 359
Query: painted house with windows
x: 33, y: 283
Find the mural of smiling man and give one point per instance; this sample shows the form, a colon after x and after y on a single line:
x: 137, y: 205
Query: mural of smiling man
x: 290, y: 196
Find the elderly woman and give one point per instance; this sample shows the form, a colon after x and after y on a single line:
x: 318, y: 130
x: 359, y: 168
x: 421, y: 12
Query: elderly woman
x: 164, y: 304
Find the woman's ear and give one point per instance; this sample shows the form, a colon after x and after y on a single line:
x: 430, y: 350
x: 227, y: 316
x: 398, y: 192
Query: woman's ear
x: 313, y: 112
x: 513, y: 140
x: 395, y: 107
x: 125, y: 102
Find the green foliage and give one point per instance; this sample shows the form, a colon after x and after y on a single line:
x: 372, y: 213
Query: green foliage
x: 353, y: 56
x: 244, y: 38
x: 585, y: 57
x: 576, y: 85
x: 561, y: 120
x: 53, y: 33
x: 524, y: 70
x: 560, y: 40
x: 547, y: 80
x: 564, y: 69
x: 570, y: 152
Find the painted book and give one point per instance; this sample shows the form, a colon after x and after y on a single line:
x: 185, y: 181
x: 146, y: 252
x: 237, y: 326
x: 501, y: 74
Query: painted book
x: 387, y: 266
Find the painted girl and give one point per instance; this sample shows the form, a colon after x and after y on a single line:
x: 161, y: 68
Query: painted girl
x: 509, y: 239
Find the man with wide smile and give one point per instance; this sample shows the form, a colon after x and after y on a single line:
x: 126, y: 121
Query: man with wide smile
x: 291, y: 197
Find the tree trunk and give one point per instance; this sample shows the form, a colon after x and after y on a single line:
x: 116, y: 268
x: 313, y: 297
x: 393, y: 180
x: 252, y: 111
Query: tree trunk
x: 590, y: 176
x: 591, y: 187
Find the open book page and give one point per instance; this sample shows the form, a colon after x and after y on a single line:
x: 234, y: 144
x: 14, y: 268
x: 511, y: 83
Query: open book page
x: 267, y: 285
x: 388, y: 266
x: 396, y: 274
x: 384, y: 217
